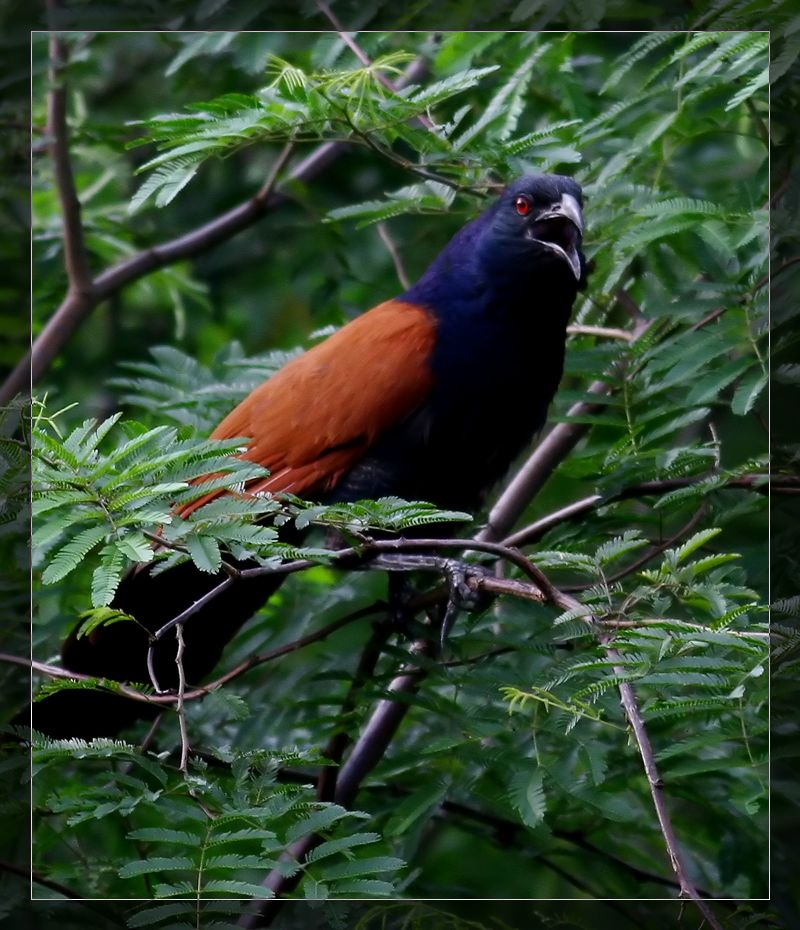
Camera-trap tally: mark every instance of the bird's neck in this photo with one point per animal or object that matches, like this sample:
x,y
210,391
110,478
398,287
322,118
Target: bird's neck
x,y
459,287
458,293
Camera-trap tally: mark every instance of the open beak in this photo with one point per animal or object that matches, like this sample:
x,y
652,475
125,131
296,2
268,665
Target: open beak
x,y
560,229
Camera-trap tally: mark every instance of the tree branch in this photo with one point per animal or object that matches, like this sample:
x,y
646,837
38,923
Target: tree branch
x,y
184,764
38,879
602,331
642,739
366,753
76,258
761,483
77,306
555,446
337,744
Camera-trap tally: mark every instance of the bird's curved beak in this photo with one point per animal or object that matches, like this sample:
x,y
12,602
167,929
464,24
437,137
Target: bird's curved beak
x,y
560,229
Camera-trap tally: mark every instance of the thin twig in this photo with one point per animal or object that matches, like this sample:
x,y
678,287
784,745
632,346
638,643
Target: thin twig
x,y
184,765
181,618
643,559
679,866
167,698
577,329
392,249
279,651
642,739
661,621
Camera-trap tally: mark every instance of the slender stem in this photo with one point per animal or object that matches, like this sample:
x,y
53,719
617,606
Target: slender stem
x,y
394,254
184,765
679,866
55,671
603,331
643,559
176,621
642,739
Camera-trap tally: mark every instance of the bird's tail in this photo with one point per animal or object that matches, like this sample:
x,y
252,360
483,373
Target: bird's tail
x,y
119,651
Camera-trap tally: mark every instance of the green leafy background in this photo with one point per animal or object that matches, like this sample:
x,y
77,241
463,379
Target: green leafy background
x,y
667,134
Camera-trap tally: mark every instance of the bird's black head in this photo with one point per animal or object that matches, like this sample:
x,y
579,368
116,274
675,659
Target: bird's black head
x,y
536,224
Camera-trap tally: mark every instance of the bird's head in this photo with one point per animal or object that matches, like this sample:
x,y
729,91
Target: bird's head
x,y
536,223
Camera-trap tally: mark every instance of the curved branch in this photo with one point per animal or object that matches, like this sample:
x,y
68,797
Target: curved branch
x,y
555,446
77,306
761,483
29,876
365,755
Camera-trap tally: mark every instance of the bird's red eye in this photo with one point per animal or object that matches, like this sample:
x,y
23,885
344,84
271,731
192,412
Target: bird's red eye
x,y
522,205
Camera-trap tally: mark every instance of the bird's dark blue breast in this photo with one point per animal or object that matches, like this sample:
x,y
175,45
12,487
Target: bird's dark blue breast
x,y
496,365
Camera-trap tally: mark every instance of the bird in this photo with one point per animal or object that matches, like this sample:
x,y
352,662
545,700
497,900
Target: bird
x,y
428,396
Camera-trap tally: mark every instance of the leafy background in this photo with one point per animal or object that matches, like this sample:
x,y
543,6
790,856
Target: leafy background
x,y
685,192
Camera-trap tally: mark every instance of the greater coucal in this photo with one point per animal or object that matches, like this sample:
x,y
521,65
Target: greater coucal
x,y
428,396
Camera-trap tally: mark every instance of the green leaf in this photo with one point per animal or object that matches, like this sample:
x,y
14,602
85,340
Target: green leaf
x,y
237,889
163,835
526,794
342,844
747,392
155,864
73,553
695,542
205,553
362,867
107,575
100,616
318,821
365,887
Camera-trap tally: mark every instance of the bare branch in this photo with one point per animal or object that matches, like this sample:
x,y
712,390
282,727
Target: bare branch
x,y
184,764
365,755
77,306
176,621
679,866
629,305
279,651
76,258
759,483
602,331
337,744
391,248
167,698
29,876
642,739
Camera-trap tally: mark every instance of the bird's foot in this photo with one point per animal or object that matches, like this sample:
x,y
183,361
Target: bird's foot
x,y
462,595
